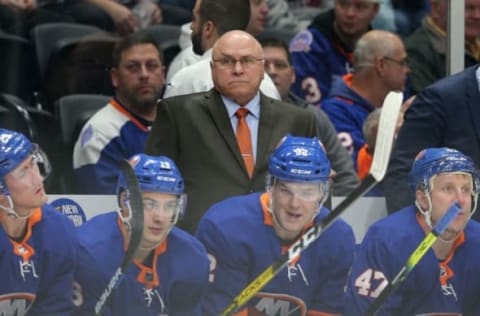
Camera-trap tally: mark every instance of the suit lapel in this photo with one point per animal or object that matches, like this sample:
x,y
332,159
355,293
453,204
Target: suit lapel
x,y
265,130
214,105
473,97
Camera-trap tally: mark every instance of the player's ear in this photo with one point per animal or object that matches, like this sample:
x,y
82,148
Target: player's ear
x,y
421,198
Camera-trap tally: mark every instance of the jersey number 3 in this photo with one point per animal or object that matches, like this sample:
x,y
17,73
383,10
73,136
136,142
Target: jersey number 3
x,y
364,283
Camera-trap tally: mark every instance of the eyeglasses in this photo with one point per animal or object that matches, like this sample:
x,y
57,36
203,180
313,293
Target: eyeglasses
x,y
277,64
402,62
169,207
230,62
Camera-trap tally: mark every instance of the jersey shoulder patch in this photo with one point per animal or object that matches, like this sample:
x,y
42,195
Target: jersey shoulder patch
x,y
301,42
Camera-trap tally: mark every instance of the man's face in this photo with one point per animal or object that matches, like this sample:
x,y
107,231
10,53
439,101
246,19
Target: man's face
x,y
396,68
293,206
197,29
472,19
160,210
139,78
352,17
25,184
258,16
447,188
279,69
237,67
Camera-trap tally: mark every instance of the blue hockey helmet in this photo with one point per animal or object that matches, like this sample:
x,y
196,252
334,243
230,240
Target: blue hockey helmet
x,y
433,161
155,174
300,159
15,148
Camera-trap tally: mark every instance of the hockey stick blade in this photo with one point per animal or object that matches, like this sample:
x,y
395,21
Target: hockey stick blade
x,y
415,257
135,201
385,135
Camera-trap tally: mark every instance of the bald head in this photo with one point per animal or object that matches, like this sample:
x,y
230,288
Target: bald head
x,y
237,40
237,66
374,44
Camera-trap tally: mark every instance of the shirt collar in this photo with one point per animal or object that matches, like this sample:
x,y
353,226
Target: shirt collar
x,y
253,106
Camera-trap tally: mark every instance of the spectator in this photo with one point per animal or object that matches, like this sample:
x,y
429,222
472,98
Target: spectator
x,y
445,281
125,17
20,17
296,188
278,66
229,13
199,130
325,48
427,46
280,17
380,67
204,36
369,132
170,270
120,129
38,245
442,115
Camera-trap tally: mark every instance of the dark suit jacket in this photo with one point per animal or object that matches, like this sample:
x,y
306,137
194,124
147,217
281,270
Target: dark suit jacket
x,y
445,114
195,131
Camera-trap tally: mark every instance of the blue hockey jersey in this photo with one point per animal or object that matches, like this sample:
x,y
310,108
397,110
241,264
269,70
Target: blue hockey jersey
x,y
173,285
240,239
347,110
112,134
433,287
318,55
37,271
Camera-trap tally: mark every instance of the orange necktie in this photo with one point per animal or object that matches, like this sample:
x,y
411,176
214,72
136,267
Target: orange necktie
x,y
244,140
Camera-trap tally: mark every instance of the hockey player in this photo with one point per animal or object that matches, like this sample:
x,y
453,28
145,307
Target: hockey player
x,y
37,244
446,281
170,270
245,234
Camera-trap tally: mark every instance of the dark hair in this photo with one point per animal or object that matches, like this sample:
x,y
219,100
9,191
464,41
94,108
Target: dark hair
x,y
227,15
134,39
274,42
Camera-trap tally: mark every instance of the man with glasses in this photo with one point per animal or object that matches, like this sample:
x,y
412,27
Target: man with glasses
x,y
119,130
38,246
380,67
206,133
278,66
212,19
169,274
246,234
325,49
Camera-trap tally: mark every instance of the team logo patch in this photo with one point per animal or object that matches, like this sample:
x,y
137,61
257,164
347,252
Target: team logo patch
x,y
301,42
86,135
16,303
70,209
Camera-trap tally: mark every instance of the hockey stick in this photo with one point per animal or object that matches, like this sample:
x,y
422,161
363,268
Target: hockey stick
x,y
383,148
415,257
135,205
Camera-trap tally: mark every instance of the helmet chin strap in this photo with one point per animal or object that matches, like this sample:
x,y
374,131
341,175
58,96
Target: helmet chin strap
x,y
11,211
